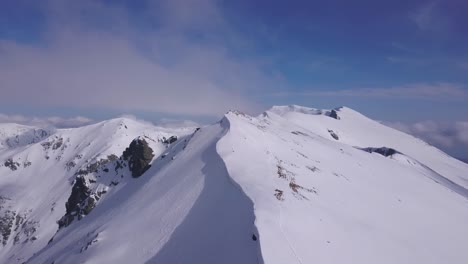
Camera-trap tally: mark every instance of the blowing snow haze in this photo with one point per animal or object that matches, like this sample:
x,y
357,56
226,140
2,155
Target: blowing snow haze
x,y
204,131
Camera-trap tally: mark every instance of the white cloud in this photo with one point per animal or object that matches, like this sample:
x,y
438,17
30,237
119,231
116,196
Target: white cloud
x,y
176,123
54,121
412,91
443,134
402,47
462,132
109,63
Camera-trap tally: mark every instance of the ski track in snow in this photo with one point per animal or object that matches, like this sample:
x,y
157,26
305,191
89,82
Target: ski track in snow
x,y
286,237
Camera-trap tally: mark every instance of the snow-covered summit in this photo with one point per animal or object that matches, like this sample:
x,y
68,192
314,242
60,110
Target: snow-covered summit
x,y
293,185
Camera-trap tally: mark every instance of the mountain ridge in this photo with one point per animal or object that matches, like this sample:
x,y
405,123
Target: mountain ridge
x,y
283,187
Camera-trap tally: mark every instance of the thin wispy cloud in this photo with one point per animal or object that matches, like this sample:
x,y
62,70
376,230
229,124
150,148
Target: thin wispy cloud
x,y
463,65
424,16
410,60
413,91
175,123
401,47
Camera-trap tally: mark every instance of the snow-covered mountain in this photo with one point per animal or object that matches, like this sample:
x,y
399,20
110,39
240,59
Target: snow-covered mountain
x,y
293,185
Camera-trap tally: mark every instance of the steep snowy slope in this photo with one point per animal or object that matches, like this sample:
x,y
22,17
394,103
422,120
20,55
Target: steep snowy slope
x,y
321,198
183,210
37,171
357,130
293,185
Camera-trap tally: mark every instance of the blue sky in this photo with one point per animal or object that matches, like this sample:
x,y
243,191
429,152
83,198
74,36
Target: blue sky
x,y
403,62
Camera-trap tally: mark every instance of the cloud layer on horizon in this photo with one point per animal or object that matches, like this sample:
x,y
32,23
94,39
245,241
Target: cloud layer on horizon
x,y
52,121
445,135
78,121
437,91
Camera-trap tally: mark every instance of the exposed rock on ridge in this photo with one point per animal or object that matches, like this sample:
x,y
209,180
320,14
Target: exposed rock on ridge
x,y
139,156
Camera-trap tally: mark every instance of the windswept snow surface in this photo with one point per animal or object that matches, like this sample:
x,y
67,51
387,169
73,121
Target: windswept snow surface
x,y
293,185
184,209
322,200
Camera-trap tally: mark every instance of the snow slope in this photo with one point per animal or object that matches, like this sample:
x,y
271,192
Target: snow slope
x,y
322,200
34,190
293,185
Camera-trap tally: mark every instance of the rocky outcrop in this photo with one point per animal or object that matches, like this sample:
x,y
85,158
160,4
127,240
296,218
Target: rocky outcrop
x,y
333,114
384,151
6,225
81,202
76,202
333,134
88,186
13,165
169,140
15,224
139,156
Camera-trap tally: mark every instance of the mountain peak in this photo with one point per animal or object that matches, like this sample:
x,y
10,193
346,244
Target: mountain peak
x,y
246,189
283,110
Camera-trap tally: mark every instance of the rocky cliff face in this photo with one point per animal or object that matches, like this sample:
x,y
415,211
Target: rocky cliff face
x,y
77,202
88,187
139,156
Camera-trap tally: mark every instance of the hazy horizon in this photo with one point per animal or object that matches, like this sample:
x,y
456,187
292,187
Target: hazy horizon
x,y
73,62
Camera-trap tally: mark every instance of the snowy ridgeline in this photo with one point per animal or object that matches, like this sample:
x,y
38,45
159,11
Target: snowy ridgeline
x,y
293,185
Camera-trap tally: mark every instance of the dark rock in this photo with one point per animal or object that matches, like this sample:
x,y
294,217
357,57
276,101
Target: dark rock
x,y
172,139
93,167
139,155
169,140
112,157
299,133
46,145
83,198
333,114
118,165
80,193
26,164
57,144
254,237
114,183
69,165
13,165
279,194
384,151
333,134
6,224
